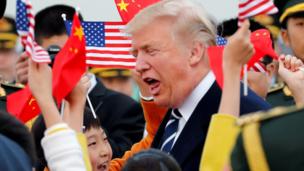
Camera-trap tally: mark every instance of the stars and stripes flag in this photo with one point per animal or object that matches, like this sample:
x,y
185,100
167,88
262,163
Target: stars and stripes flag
x,y
106,45
249,8
25,22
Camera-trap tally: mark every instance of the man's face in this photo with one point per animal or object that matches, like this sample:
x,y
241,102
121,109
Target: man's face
x,y
294,36
259,82
163,62
54,40
8,59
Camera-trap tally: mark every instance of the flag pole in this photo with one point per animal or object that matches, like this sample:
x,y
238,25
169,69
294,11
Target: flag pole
x,y
91,106
62,108
245,80
63,15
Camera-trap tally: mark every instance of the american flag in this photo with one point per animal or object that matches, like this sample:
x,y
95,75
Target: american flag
x,y
25,22
249,8
220,41
106,45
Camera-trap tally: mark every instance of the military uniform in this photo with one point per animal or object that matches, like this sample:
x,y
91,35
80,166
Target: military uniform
x,y
270,141
8,40
280,95
6,89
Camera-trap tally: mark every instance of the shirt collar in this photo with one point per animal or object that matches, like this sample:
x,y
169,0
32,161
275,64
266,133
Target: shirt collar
x,y
196,95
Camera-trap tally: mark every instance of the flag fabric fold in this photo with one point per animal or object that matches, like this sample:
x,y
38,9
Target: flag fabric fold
x,y
25,22
249,8
69,64
129,8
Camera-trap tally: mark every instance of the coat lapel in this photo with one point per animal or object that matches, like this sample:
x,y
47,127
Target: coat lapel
x,y
193,135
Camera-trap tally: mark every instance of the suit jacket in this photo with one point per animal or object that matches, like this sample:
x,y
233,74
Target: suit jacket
x,y
120,116
188,147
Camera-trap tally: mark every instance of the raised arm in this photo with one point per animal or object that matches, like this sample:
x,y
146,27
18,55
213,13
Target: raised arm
x,y
236,53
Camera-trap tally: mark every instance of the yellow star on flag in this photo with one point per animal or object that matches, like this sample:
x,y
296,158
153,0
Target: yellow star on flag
x,y
123,6
78,32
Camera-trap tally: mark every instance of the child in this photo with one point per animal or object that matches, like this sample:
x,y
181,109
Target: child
x,y
99,149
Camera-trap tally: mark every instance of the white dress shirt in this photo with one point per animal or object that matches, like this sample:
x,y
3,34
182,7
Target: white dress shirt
x,y
187,108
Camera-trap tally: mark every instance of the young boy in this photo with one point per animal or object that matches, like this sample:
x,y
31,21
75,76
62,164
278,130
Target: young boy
x,y
99,149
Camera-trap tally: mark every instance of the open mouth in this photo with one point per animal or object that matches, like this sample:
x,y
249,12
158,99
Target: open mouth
x,y
154,85
103,166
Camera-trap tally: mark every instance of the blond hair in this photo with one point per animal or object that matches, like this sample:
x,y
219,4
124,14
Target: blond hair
x,y
190,18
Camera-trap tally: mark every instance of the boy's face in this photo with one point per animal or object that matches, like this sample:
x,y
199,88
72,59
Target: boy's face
x,y
293,36
100,151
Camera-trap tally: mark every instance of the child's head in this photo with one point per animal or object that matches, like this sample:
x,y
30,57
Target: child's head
x,y
151,160
99,148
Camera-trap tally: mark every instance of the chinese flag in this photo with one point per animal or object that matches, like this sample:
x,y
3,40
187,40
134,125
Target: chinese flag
x,y
129,8
69,63
262,44
22,105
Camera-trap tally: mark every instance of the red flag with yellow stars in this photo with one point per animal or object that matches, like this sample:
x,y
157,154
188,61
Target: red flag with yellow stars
x,y
129,8
22,105
69,63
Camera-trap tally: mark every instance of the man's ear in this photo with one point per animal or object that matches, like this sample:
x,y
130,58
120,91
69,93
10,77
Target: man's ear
x,y
285,37
197,52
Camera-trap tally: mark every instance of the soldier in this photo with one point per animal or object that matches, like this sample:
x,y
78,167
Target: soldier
x,y
291,18
8,58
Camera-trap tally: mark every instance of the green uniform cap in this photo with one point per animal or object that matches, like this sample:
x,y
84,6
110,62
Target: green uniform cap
x,y
289,7
8,34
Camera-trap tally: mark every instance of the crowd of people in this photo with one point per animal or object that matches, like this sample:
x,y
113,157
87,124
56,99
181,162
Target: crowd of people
x,y
169,113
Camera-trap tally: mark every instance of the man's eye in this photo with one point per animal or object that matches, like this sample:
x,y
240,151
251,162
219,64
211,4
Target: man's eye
x,y
152,52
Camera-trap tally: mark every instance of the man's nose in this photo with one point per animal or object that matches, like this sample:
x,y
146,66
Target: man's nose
x,y
141,64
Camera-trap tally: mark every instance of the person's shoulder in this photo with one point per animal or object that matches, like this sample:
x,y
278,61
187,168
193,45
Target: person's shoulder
x,y
276,113
8,88
265,136
280,95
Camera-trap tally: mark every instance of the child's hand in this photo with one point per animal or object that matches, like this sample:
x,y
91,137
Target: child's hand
x,y
40,81
239,49
292,72
80,90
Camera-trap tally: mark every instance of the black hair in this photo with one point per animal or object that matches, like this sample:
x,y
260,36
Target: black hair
x,y
89,121
37,131
48,22
151,160
13,129
229,27
294,15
